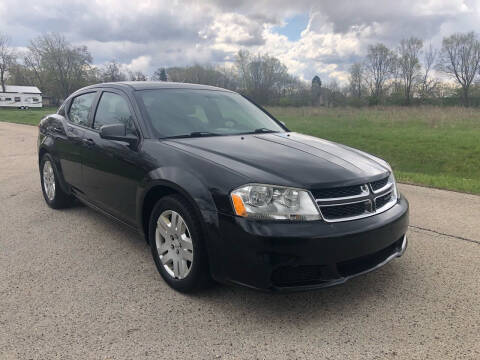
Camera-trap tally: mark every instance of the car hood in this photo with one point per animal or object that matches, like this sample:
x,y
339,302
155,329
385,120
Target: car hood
x,y
287,159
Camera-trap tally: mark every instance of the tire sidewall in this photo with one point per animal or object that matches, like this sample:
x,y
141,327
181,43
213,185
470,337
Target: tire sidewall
x,y
61,199
197,273
46,158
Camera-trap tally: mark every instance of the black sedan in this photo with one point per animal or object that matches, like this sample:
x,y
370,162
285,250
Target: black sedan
x,y
220,189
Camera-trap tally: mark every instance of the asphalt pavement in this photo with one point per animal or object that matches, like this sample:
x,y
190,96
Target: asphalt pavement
x,y
77,285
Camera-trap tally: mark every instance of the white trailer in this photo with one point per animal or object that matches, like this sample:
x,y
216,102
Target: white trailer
x,y
22,97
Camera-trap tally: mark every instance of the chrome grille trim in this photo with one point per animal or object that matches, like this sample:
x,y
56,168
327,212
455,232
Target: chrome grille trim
x,y
387,205
386,187
368,195
365,191
345,203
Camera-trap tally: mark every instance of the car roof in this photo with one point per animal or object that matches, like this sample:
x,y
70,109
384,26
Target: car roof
x,y
152,85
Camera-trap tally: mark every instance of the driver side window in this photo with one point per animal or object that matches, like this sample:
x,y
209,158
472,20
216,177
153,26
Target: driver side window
x,y
113,109
80,107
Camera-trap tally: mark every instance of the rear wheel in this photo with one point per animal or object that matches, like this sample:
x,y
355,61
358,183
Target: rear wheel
x,y
54,195
177,245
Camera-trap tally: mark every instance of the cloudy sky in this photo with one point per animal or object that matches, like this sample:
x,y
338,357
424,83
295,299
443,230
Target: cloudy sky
x,y
311,37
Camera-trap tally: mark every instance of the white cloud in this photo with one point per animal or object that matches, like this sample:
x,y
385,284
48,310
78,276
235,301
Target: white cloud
x,y
141,63
231,29
146,34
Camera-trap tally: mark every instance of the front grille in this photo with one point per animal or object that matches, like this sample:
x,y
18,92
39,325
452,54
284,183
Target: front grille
x,y
356,201
337,192
377,185
383,200
299,275
304,275
346,211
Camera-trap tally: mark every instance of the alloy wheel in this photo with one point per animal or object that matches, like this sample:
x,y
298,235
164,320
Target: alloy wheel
x,y
49,180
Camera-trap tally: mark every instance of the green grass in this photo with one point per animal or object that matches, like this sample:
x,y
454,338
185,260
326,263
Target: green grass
x,y
432,146
438,147
28,117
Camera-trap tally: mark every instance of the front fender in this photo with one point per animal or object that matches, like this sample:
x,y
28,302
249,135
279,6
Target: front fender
x,y
190,187
183,182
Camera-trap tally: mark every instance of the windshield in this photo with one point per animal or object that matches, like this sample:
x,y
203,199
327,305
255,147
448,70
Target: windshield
x,y
188,113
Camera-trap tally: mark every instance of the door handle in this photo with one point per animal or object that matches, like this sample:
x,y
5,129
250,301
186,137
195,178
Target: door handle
x,y
88,142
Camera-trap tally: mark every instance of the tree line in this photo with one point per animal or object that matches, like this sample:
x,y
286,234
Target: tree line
x,y
415,73
411,73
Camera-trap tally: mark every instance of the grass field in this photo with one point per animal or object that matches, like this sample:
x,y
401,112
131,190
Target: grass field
x,y
431,146
29,117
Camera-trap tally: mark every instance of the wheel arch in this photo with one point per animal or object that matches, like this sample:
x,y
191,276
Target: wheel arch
x,y
42,151
47,148
154,193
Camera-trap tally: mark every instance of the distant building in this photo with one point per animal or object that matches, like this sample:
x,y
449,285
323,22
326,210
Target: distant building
x,y
317,93
21,97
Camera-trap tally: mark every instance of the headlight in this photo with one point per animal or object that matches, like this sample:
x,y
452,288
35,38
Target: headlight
x,y
260,201
391,180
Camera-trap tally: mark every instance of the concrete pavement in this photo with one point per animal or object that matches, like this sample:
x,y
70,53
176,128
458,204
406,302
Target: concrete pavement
x,y
76,285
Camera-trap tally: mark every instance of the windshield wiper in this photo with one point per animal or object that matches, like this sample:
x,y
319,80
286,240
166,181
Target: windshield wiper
x,y
264,131
192,135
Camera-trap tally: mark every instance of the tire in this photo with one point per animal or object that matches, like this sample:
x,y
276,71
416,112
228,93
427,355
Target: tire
x,y
55,197
170,247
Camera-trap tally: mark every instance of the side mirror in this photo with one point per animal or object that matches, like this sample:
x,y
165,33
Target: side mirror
x,y
117,132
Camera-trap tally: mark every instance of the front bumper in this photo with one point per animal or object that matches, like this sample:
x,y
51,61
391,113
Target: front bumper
x,y
293,256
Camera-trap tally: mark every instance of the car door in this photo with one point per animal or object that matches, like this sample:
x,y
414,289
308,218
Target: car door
x,y
69,140
112,169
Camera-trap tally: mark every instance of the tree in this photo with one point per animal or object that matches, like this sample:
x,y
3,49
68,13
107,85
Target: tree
x,y
202,74
379,65
7,58
333,94
409,65
460,58
263,76
427,83
160,74
356,80
137,76
18,74
111,72
228,77
58,67
241,63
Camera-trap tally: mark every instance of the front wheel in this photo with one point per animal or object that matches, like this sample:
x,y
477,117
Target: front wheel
x,y
177,245
54,195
